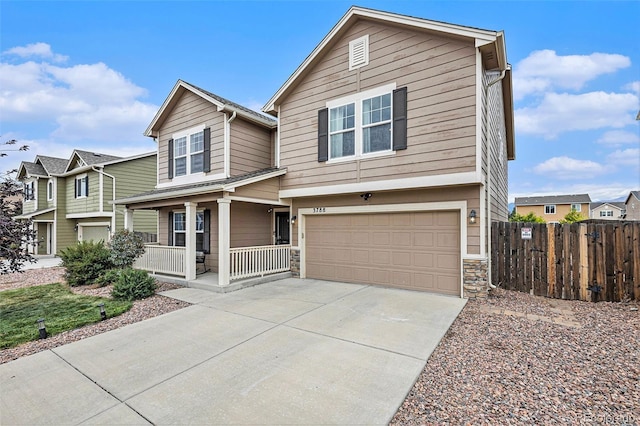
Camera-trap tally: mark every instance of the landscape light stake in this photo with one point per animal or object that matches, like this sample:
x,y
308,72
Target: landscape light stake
x,y
103,313
42,329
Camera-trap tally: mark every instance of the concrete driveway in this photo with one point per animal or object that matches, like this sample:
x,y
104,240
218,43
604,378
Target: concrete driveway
x,y
286,352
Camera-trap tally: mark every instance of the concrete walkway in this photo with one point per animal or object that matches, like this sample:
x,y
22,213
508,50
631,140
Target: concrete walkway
x,y
286,352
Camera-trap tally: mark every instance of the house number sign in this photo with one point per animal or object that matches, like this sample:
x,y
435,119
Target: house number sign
x,y
319,209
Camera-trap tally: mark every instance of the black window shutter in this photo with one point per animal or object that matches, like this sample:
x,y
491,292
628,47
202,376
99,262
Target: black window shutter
x,y
323,135
400,119
170,159
206,238
170,242
207,150
86,185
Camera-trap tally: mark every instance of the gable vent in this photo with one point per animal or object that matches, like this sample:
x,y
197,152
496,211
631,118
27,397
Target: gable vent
x,y
359,52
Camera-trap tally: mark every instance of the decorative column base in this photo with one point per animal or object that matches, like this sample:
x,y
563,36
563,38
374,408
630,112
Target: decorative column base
x,y
295,263
475,282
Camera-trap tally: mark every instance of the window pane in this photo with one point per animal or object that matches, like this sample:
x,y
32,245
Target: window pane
x,y
181,166
180,147
179,222
197,163
179,239
197,142
199,221
376,109
199,241
376,138
342,144
341,118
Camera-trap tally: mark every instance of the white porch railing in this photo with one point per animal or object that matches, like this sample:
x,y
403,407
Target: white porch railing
x,y
258,261
162,259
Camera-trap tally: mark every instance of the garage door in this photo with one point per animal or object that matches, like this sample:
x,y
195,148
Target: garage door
x,y
412,250
95,233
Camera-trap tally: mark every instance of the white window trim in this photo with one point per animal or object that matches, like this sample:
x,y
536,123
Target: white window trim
x,y
34,189
549,205
75,185
188,177
579,207
357,99
606,213
185,231
51,195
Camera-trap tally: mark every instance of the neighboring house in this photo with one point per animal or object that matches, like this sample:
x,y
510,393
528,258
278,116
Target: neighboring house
x,y
71,199
607,210
632,206
553,208
386,165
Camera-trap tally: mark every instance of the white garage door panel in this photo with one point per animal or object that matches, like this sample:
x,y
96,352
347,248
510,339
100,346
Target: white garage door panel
x,y
95,233
413,250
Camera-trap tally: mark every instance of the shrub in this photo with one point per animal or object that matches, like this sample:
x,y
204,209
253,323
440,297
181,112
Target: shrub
x,y
126,247
109,277
133,284
85,262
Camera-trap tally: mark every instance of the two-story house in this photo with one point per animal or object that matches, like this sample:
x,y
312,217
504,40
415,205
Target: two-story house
x,y
553,208
386,164
71,200
632,206
607,210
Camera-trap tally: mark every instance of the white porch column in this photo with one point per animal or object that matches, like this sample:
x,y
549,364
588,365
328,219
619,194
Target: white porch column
x,y
128,220
224,240
190,240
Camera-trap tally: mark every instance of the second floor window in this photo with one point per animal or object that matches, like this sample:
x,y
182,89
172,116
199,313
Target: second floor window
x,y
82,186
606,213
188,153
50,190
30,191
576,207
550,209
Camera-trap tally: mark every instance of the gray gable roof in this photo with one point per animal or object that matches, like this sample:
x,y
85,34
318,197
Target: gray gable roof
x,y
553,199
91,158
34,169
617,204
53,165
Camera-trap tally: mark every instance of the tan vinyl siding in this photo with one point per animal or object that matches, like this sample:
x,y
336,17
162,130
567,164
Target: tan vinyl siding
x,y
250,225
469,193
250,147
439,74
191,111
264,190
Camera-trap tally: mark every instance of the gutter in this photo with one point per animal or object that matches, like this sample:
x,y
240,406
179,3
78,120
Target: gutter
x,y
489,145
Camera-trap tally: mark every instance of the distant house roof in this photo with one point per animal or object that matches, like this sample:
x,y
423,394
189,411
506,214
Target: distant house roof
x,y
222,104
632,193
553,199
53,165
616,204
91,158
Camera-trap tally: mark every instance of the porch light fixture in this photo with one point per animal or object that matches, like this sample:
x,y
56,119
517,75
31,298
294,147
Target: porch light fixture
x,y
270,210
366,196
42,329
75,228
293,220
472,217
103,313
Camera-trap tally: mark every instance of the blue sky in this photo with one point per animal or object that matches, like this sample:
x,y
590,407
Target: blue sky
x,y
92,74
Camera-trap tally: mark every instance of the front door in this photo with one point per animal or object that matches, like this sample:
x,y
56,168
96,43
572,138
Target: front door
x,y
282,227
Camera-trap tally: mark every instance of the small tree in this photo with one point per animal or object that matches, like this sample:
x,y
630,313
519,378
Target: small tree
x,y
15,235
572,217
528,218
126,247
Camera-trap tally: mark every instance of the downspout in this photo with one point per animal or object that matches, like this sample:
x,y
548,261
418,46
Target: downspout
x,y
488,159
113,197
227,143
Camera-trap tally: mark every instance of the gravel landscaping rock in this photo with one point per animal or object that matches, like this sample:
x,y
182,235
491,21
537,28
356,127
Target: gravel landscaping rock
x,y
521,359
141,310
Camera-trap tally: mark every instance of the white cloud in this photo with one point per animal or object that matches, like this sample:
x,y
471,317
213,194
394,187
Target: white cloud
x,y
625,157
634,86
85,101
569,168
42,50
562,112
619,137
544,70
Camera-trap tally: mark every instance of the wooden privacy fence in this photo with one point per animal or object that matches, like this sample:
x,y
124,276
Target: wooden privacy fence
x,y
581,261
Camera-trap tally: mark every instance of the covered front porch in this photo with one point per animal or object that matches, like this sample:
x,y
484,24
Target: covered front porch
x,y
217,235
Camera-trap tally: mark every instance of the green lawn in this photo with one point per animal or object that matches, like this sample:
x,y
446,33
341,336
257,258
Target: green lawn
x,y
62,310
